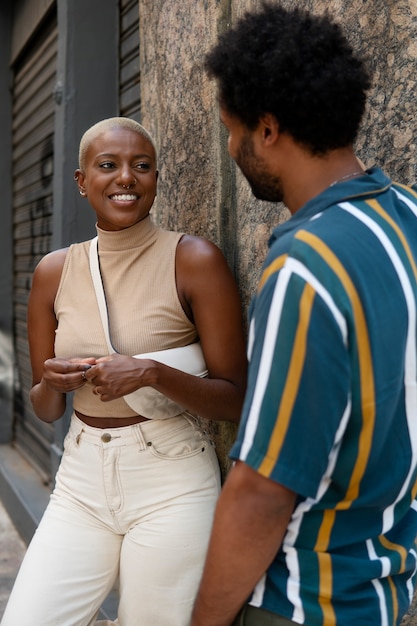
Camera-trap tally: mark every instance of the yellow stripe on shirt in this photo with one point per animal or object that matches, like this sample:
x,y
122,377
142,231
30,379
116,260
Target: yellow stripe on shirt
x,y
365,365
326,589
374,204
292,384
274,267
395,547
325,567
406,188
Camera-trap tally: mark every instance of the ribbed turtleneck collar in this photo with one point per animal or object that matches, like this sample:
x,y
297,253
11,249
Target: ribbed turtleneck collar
x,y
138,235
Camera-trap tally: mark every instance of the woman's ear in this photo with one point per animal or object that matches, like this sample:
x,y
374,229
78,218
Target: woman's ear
x,y
79,178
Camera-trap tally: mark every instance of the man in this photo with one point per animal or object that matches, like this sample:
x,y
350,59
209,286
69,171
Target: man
x,y
317,520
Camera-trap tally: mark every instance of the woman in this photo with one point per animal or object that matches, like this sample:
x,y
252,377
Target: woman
x,y
136,488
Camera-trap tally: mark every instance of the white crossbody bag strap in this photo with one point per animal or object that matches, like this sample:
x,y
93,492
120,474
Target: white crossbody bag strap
x,y
98,286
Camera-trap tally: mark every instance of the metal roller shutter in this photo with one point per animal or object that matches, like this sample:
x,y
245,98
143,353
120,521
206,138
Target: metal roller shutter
x,y
129,88
33,128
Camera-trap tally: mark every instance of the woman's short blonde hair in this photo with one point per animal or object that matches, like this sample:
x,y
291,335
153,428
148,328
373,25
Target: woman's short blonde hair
x,y
108,124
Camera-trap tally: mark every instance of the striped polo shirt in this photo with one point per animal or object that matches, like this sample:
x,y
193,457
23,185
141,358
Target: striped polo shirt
x,y
331,406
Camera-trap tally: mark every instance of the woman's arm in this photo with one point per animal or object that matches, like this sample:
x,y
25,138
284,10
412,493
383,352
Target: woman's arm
x,y
210,298
51,378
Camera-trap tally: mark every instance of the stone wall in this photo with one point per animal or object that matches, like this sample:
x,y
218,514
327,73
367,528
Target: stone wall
x,y
200,190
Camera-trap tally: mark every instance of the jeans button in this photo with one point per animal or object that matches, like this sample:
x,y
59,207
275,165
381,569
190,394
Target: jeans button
x,y
106,437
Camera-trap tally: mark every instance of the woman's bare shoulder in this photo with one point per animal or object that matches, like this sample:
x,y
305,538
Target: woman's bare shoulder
x,y
192,249
50,266
53,260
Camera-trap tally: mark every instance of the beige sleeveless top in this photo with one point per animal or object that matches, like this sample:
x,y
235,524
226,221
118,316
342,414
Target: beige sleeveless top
x,y
145,314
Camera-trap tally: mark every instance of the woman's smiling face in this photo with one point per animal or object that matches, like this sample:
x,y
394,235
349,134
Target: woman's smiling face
x,y
119,178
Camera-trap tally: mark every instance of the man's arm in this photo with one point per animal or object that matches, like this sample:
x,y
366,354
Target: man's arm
x,y
251,519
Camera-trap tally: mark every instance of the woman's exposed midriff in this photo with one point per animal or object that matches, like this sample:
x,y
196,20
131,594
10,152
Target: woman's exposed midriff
x,y
110,422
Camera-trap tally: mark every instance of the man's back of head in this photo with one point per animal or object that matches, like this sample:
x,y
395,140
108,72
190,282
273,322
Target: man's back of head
x,y
298,67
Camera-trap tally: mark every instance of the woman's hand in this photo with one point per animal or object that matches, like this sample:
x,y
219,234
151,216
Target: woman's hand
x,y
65,375
117,375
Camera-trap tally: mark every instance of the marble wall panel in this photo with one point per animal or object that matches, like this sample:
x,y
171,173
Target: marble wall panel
x,y
196,190
200,189
178,108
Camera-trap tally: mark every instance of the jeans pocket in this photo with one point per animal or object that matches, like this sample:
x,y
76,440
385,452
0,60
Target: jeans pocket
x,y
182,443
69,443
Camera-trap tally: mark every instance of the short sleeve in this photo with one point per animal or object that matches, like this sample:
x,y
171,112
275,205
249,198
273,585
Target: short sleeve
x,y
298,389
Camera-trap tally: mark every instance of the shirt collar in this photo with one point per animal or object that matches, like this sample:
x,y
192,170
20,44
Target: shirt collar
x,y
372,183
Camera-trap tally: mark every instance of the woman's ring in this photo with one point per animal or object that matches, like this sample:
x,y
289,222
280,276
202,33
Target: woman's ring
x,y
84,376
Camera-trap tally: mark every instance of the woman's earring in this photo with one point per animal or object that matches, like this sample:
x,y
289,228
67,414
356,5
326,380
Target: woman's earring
x,y
82,193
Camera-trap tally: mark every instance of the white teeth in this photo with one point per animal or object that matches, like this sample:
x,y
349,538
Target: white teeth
x,y
123,196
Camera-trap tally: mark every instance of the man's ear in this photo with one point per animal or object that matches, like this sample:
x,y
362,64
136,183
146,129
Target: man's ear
x,y
269,127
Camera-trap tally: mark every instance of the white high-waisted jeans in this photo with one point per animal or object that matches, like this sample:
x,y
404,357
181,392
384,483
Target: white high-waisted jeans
x,y
137,502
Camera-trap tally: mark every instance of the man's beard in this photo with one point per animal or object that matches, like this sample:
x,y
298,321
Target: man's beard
x,y
264,186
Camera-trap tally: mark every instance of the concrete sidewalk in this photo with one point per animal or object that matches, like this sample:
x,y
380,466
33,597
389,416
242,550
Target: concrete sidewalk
x,y
12,550
23,499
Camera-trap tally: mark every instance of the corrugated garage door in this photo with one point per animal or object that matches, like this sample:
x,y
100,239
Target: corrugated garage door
x,y
33,127
129,88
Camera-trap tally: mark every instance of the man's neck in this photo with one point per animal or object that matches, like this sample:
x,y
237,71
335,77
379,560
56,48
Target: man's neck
x,y
307,176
